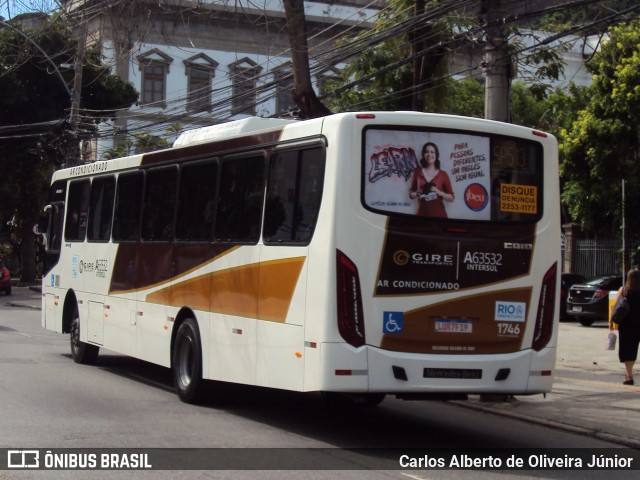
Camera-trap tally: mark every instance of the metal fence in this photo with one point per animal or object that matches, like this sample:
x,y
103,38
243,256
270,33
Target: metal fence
x,y
593,257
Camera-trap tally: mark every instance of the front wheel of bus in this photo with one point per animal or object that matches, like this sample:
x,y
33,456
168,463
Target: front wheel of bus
x,y
187,362
81,352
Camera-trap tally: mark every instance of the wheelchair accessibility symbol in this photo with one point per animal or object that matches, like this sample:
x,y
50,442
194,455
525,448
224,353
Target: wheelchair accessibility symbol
x,y
392,322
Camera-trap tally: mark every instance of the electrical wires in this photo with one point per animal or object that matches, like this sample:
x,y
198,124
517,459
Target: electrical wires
x,y
330,47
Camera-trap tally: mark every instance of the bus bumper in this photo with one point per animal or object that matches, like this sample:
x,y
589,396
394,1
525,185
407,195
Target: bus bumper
x,y
371,369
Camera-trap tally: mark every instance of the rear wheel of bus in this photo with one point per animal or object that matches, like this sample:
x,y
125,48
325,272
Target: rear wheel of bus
x,y
187,362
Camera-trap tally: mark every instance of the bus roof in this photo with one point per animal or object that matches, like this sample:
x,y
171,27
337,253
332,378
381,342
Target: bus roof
x,y
227,130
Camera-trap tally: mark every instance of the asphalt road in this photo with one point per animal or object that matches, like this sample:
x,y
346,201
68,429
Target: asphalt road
x,y
47,401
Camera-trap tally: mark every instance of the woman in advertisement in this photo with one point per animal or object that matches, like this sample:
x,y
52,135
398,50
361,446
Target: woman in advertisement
x,y
430,185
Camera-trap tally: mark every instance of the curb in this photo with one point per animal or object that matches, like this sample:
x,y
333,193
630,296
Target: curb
x,y
23,305
567,427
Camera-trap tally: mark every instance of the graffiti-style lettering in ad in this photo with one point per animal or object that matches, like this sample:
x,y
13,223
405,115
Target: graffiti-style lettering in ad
x,y
431,174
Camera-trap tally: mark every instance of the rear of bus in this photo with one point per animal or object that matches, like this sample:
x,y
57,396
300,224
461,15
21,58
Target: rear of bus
x,y
455,298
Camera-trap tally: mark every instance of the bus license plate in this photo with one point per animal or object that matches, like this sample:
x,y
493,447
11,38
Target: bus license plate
x,y
456,373
576,309
454,325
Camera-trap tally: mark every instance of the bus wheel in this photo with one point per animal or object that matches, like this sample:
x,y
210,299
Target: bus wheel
x,y
81,352
586,322
187,362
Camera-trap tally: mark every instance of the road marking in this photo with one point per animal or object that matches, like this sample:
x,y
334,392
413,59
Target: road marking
x,y
415,477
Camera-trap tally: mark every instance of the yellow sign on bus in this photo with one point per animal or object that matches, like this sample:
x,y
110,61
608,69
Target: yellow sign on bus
x,y
519,198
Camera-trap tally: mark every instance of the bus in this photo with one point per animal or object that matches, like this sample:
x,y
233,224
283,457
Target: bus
x,y
358,254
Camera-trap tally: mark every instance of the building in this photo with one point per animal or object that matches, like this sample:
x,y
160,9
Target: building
x,y
203,62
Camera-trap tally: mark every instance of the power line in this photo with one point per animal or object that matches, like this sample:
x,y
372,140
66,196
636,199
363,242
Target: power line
x,y
331,57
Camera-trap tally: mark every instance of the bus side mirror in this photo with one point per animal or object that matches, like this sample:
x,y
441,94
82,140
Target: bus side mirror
x,y
42,227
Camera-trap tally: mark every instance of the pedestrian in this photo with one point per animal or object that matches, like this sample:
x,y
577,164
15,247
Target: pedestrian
x,y
629,329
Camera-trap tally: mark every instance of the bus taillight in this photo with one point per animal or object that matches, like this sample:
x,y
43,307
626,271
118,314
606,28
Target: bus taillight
x,y
350,312
546,305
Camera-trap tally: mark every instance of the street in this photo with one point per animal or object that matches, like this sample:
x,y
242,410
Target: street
x,y
48,401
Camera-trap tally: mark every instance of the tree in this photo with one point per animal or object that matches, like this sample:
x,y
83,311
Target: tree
x,y
35,133
601,148
303,94
380,77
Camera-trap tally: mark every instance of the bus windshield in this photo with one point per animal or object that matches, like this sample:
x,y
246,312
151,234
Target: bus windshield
x,y
444,174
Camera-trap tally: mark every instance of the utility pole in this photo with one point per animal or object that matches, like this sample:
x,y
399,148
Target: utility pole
x,y
497,62
417,46
76,94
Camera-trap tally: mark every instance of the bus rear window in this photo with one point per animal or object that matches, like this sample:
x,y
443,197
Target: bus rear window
x,y
452,175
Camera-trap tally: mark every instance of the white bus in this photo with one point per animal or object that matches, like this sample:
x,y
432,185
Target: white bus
x,y
326,255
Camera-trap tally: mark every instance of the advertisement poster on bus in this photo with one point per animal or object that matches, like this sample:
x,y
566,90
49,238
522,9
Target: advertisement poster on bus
x,y
435,174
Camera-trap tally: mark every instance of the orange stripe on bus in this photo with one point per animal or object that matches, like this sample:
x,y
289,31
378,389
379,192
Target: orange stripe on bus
x,y
261,290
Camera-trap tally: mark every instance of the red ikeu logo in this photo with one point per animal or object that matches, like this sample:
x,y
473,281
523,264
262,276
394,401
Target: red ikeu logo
x,y
476,197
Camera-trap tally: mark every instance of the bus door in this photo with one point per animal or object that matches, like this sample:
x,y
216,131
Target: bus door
x,y
293,200
97,263
53,243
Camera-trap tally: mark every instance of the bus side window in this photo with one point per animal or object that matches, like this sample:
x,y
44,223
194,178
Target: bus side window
x,y
196,202
293,196
126,222
101,208
240,200
77,211
159,201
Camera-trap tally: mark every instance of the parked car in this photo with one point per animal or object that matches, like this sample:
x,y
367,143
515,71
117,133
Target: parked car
x,y
567,280
5,279
589,301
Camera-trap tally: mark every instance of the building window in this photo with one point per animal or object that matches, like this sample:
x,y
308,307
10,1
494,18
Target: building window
x,y
284,89
153,84
154,66
199,91
244,75
200,71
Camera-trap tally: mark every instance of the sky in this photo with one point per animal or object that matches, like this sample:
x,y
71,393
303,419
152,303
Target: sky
x,y
11,8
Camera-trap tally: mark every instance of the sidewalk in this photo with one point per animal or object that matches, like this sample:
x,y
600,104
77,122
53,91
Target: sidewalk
x,y
24,297
587,398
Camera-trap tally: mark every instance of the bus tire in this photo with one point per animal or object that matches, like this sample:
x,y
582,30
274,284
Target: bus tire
x,y
81,352
586,322
187,362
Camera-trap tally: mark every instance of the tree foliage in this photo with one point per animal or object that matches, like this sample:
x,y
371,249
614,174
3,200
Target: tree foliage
x,y
600,148
380,77
35,132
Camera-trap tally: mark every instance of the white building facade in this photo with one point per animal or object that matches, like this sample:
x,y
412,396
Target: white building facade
x,y
203,62
197,63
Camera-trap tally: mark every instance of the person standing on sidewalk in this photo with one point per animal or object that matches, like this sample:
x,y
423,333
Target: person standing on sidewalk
x,y
629,330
